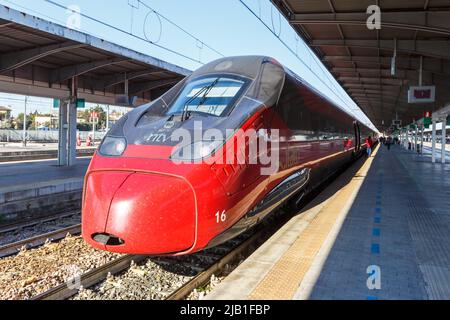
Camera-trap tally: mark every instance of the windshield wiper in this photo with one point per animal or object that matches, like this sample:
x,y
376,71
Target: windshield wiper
x,y
206,89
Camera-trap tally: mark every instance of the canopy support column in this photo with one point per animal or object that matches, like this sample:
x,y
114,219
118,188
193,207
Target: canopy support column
x,y
62,144
443,139
72,122
433,142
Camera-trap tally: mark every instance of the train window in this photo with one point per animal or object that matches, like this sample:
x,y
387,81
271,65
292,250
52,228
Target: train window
x,y
211,95
291,107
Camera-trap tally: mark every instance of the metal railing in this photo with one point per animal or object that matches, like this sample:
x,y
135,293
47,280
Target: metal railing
x,y
41,135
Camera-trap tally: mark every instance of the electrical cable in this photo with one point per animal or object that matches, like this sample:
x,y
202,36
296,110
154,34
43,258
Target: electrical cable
x,y
179,27
127,33
306,65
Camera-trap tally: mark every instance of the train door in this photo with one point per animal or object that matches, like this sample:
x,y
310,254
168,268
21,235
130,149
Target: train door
x,y
360,139
357,136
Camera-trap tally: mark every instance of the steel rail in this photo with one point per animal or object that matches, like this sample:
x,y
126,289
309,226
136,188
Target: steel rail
x,y
13,248
88,279
10,227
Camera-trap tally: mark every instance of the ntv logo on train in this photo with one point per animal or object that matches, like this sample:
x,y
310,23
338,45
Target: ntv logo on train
x,y
255,147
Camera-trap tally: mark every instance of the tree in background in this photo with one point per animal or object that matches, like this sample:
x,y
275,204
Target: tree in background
x,y
18,121
86,116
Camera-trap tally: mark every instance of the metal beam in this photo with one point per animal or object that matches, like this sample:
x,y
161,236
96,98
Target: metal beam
x,y
47,27
68,72
439,49
150,85
371,86
427,21
110,81
432,65
375,97
406,77
401,73
380,93
13,60
4,25
374,80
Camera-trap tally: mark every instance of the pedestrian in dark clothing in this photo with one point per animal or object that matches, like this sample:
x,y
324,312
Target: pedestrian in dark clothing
x,y
389,142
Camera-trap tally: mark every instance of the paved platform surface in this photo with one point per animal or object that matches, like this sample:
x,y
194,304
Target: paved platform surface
x,y
384,235
15,175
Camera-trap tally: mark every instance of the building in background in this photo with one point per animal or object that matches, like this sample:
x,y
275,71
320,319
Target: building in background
x,y
5,116
44,122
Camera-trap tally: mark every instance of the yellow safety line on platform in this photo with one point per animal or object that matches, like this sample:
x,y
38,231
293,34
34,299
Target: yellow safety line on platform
x,y
285,277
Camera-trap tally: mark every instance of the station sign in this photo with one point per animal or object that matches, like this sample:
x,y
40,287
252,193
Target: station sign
x,y
426,121
56,103
422,94
81,103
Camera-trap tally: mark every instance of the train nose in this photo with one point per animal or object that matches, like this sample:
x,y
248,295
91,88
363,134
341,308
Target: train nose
x,y
139,213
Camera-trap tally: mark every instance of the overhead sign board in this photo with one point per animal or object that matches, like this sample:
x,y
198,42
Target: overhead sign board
x,y
422,94
81,103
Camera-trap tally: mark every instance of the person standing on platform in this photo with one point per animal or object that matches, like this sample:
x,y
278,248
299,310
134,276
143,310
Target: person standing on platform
x,y
389,142
369,143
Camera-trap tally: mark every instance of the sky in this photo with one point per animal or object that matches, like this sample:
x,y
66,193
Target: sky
x,y
198,30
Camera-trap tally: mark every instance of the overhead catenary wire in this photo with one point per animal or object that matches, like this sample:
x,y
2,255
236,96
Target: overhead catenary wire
x,y
129,33
180,28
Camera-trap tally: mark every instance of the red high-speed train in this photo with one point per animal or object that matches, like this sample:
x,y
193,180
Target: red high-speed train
x,y
147,193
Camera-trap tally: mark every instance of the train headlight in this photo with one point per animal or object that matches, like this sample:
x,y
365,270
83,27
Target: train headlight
x,y
113,146
196,151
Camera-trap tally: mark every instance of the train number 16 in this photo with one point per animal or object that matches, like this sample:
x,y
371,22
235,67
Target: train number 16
x,y
221,217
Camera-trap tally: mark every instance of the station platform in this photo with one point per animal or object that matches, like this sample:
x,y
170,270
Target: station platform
x,y
380,231
16,152
35,188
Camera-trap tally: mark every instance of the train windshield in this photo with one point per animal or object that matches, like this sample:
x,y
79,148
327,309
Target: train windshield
x,y
212,96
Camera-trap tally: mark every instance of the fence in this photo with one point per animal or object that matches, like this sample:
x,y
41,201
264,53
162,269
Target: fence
x,y
41,136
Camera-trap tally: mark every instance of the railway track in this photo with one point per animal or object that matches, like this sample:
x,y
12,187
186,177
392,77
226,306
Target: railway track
x,y
15,247
203,265
38,237
17,226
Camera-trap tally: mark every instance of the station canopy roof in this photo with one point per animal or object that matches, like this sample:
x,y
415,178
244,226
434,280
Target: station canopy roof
x,y
39,57
360,58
